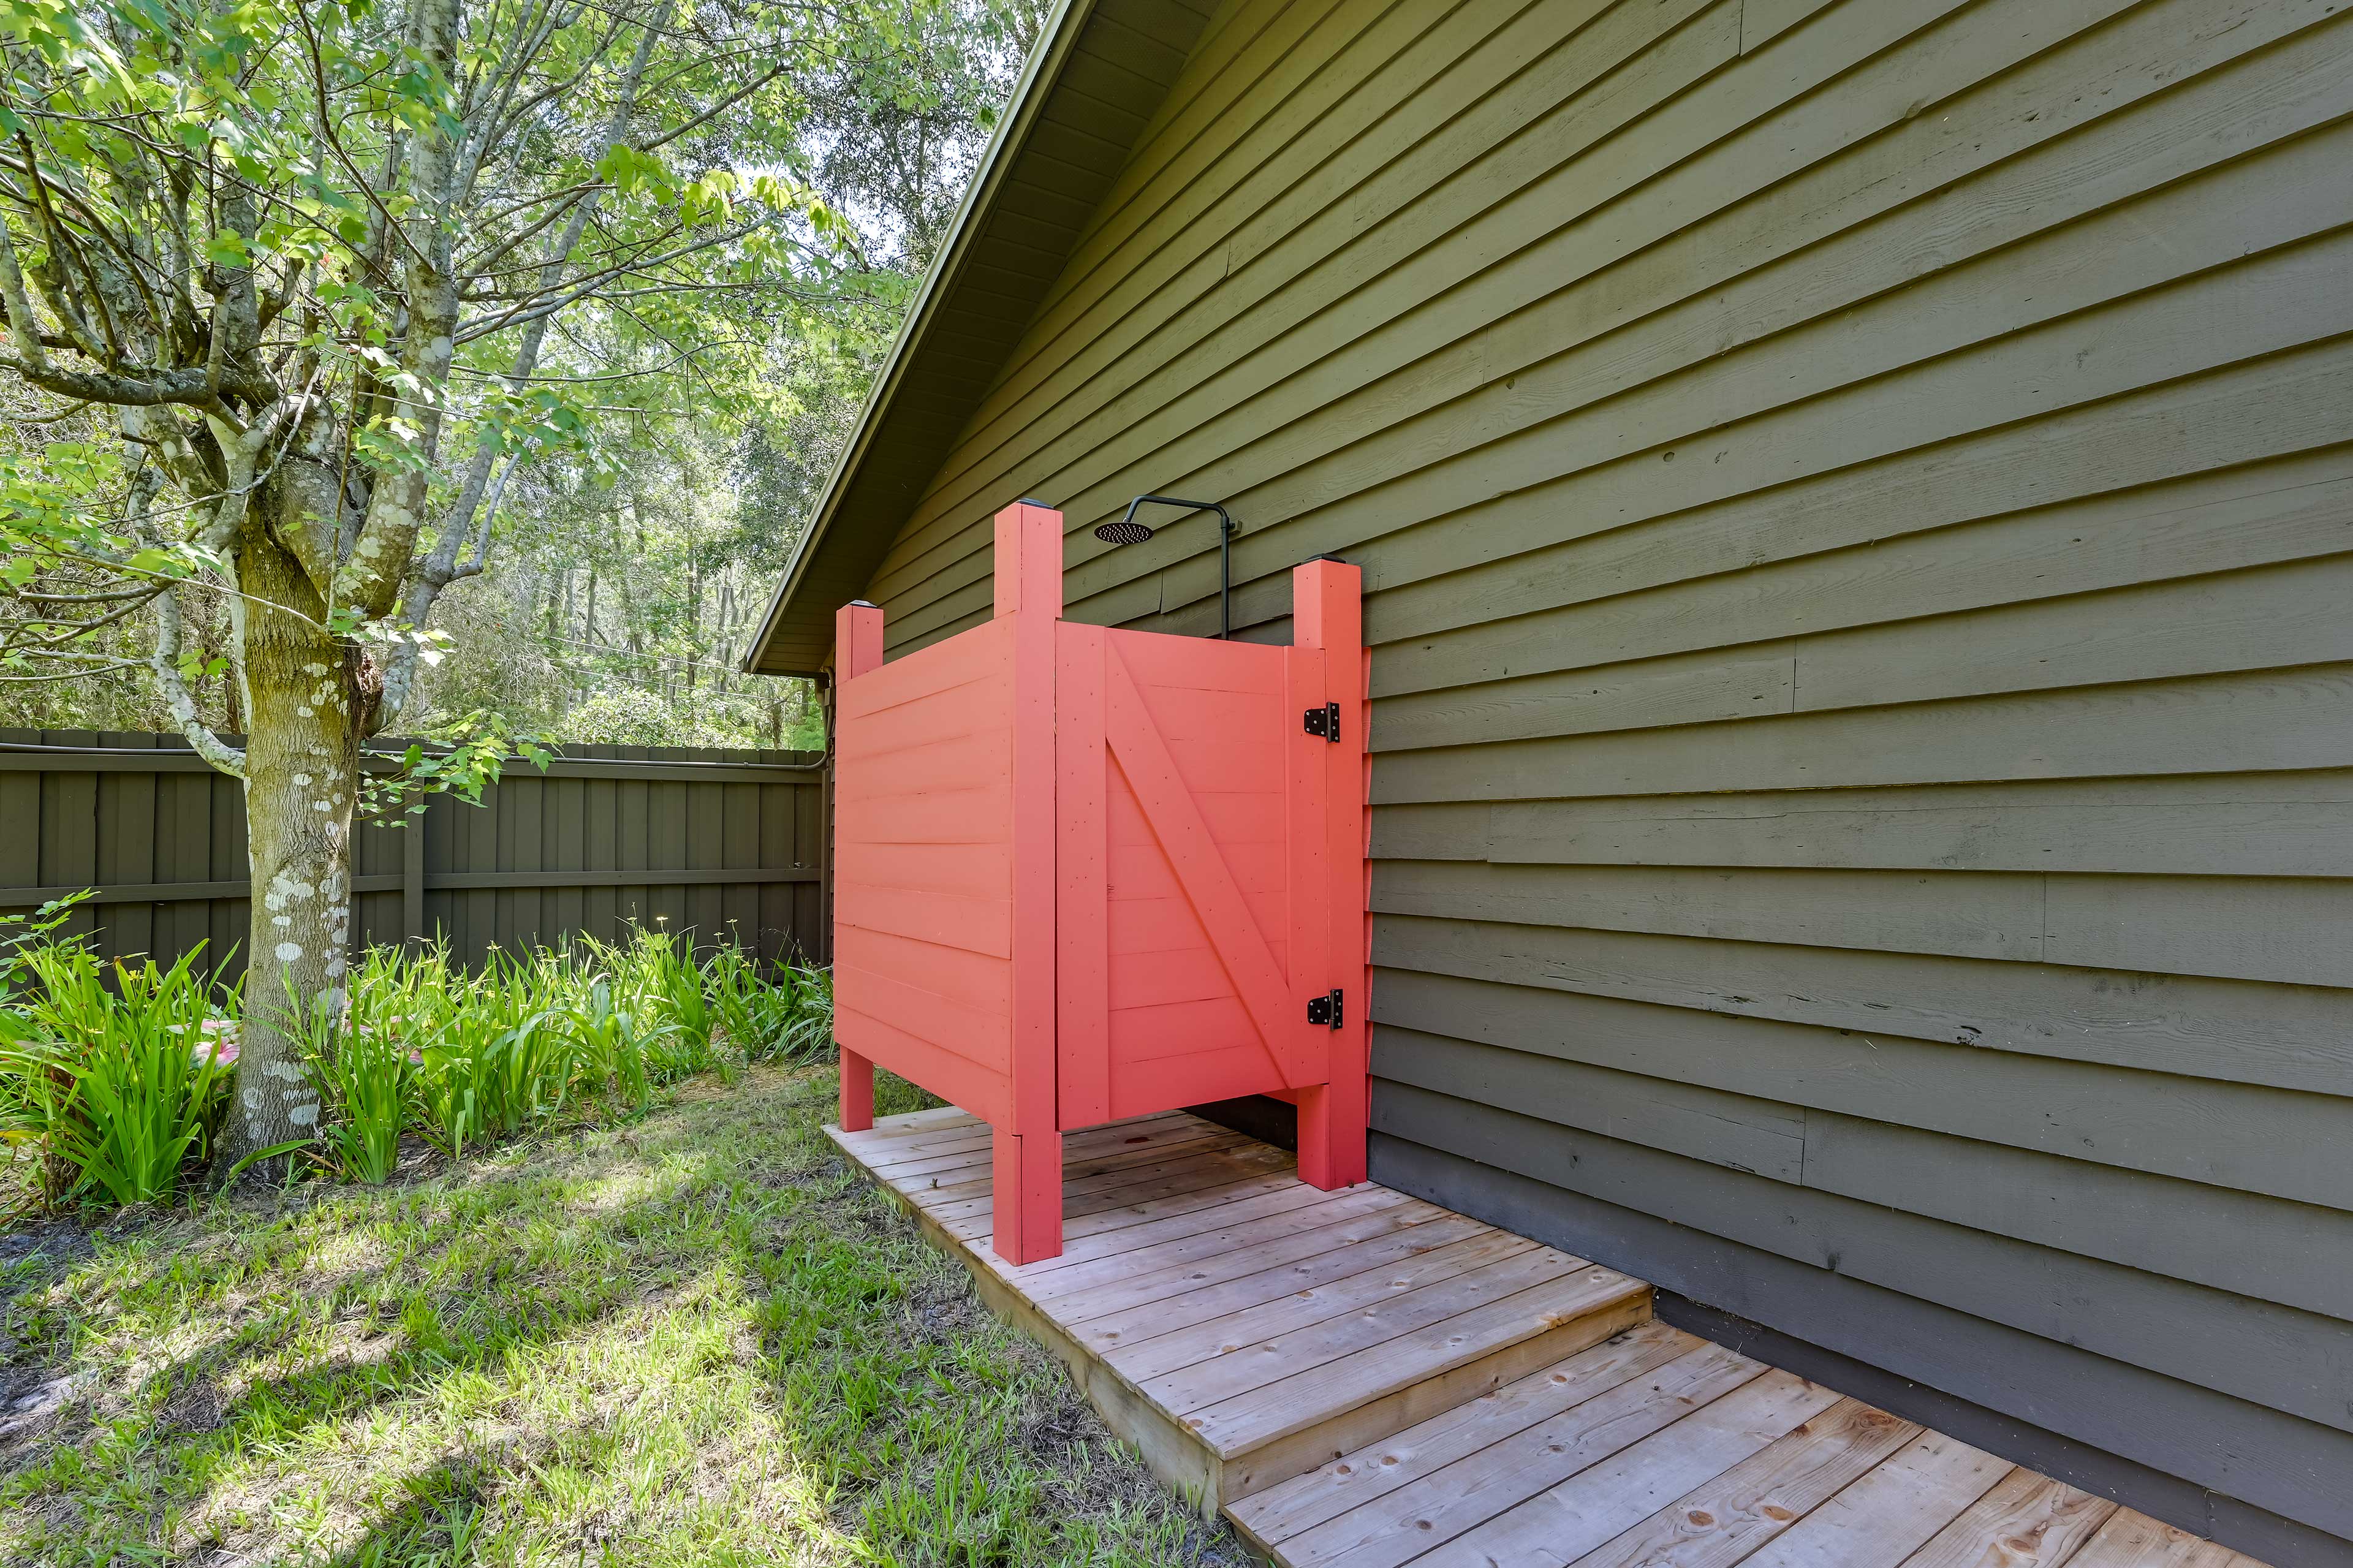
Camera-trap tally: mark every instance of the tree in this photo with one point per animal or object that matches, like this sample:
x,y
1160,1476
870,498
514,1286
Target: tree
x,y
316,278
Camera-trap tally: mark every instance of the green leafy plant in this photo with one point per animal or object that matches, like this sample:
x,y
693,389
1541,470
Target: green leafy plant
x,y
687,1005
21,934
524,1053
116,1085
363,1075
661,990
409,1003
808,1030
114,1076
740,1000
785,1015
447,1100
613,1043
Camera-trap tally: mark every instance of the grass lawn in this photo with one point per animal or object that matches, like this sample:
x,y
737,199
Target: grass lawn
x,y
696,1338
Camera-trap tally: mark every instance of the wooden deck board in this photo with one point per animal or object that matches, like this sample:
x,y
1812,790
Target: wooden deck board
x,y
1245,1365
1356,1483
1363,1380
1893,1512
2039,1521
1266,1272
1199,1326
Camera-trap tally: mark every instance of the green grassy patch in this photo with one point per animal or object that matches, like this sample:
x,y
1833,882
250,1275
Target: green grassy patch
x,y
699,1338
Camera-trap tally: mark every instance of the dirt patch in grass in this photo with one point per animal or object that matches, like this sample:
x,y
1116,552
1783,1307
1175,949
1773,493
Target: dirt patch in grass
x,y
699,1338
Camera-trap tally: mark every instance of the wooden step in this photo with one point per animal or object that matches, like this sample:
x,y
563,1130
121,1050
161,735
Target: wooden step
x,y
1362,1380
1241,1327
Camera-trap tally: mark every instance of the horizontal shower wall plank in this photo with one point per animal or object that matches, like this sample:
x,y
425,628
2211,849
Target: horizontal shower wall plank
x,y
1687,691
1973,916
2266,720
1739,1132
2294,931
2231,1241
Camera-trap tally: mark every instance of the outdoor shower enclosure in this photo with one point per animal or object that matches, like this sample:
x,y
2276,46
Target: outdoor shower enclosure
x,y
1084,874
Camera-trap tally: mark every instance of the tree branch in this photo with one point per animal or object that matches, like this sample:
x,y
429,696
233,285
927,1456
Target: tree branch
x,y
178,700
370,583
438,570
33,357
163,662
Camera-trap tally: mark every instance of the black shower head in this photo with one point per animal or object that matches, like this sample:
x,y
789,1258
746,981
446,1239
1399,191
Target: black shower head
x,y
1121,530
1127,531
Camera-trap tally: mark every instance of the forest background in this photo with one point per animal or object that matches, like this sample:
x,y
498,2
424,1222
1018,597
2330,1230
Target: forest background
x,y
630,565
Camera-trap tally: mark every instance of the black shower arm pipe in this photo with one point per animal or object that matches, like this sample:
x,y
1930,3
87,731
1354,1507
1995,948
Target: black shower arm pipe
x,y
1225,533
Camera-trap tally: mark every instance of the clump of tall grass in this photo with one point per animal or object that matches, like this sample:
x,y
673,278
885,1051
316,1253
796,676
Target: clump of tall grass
x,y
784,1016
115,1076
364,1080
653,996
111,1074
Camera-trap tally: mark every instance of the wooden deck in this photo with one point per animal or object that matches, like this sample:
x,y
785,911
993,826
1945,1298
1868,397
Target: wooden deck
x,y
1362,1380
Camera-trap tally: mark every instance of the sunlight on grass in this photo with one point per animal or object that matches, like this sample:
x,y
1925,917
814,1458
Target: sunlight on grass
x,y
697,1338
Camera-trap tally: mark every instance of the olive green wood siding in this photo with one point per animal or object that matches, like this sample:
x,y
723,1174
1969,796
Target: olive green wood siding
x,y
1857,507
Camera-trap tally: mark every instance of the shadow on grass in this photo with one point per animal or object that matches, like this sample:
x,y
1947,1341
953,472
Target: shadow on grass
x,y
701,1338
441,1521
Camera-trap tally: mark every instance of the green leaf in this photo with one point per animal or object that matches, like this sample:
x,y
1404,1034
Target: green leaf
x,y
271,1152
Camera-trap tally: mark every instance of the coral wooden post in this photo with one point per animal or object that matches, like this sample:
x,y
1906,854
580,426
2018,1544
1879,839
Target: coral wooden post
x,y
857,648
1327,613
1027,1165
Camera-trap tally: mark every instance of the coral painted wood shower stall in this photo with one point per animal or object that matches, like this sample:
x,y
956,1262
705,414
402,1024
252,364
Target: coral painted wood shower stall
x,y
1084,874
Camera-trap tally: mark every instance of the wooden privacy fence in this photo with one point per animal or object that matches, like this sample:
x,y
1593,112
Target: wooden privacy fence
x,y
727,844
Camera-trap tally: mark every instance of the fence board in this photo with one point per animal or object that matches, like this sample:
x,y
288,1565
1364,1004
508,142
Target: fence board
x,y
720,843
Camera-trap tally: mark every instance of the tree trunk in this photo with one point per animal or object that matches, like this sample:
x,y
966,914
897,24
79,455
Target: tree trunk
x,y
301,781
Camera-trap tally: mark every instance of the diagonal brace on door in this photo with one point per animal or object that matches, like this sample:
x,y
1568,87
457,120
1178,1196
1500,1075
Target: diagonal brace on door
x,y
1201,871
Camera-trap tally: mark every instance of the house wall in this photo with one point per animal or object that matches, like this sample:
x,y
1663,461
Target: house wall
x,y
1857,503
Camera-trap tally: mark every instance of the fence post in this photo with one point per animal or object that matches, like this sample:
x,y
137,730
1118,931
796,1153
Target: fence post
x,y
412,883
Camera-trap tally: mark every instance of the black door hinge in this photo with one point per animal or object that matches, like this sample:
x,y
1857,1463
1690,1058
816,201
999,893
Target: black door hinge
x,y
1324,722
1324,1010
